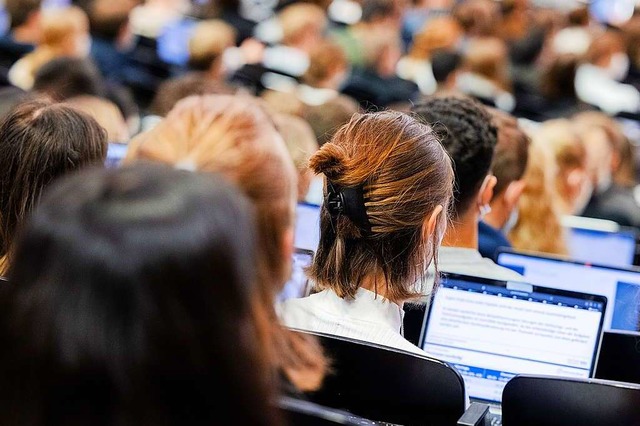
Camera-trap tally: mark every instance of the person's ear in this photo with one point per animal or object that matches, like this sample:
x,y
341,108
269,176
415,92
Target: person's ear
x,y
486,191
513,192
430,222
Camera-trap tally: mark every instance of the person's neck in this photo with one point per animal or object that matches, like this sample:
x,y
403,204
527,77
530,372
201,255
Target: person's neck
x,y
375,283
497,217
463,232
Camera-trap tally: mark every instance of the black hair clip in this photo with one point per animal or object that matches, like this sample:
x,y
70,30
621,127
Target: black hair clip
x,y
349,202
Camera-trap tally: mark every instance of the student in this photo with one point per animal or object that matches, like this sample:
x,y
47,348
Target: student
x,y
65,32
129,303
387,192
470,138
234,136
508,166
41,141
207,45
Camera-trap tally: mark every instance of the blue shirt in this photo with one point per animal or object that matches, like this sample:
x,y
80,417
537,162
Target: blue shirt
x,y
489,240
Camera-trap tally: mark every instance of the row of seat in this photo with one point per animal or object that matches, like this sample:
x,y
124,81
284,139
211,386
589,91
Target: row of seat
x,y
380,385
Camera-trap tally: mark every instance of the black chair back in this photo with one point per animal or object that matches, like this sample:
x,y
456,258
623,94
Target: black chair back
x,y
299,412
554,401
619,357
390,385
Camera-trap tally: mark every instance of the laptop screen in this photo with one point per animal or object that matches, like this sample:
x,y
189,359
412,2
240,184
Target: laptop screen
x,y
298,284
601,247
491,330
620,286
307,233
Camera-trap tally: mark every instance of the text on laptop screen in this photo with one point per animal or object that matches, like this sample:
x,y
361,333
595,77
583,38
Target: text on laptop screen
x,y
621,287
307,233
601,247
491,332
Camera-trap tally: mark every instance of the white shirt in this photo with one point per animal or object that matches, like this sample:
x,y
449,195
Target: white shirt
x,y
468,261
595,87
368,317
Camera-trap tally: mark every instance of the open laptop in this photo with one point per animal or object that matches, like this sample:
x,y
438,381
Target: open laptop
x,y
621,286
492,330
599,241
298,285
619,357
307,232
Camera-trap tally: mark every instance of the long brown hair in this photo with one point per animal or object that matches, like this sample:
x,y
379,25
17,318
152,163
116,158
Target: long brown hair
x,y
40,142
404,174
234,136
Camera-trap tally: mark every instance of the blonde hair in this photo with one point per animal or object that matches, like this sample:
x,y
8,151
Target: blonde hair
x,y
208,42
298,18
234,136
438,33
569,154
403,174
106,113
538,227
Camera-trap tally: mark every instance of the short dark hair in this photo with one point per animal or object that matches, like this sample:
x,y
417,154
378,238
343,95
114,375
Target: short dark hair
x,y
376,9
20,10
41,141
511,153
171,91
130,303
65,77
443,63
469,136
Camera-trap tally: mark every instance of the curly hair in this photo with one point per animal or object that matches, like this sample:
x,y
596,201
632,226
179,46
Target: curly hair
x,y
466,131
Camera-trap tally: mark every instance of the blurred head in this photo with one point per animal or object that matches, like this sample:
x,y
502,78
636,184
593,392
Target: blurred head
x,y
508,165
469,136
538,227
488,57
52,139
567,150
328,66
398,183
383,50
106,113
302,144
382,13
234,136
302,25
110,19
445,64
207,45
64,78
609,52
328,117
130,294
171,91
66,31
557,80
478,18
441,33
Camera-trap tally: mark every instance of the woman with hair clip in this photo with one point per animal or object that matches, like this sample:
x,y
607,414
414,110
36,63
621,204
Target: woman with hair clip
x,y
234,136
129,304
388,186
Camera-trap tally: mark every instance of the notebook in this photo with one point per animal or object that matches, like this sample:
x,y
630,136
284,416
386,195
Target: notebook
x,y
591,242
492,330
298,285
621,286
307,232
619,357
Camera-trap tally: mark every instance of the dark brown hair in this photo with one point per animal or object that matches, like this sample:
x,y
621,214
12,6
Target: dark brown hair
x,y
40,142
404,174
20,10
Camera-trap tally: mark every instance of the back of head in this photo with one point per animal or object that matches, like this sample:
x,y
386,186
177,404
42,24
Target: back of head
x,y
511,153
557,81
488,57
395,174
468,135
378,10
208,42
325,61
171,91
234,136
444,63
108,17
106,113
143,277
477,17
19,11
41,141
603,46
328,117
297,18
64,78
59,23
441,33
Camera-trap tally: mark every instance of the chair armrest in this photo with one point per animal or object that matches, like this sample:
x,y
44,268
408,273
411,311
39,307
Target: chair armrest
x,y
474,415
